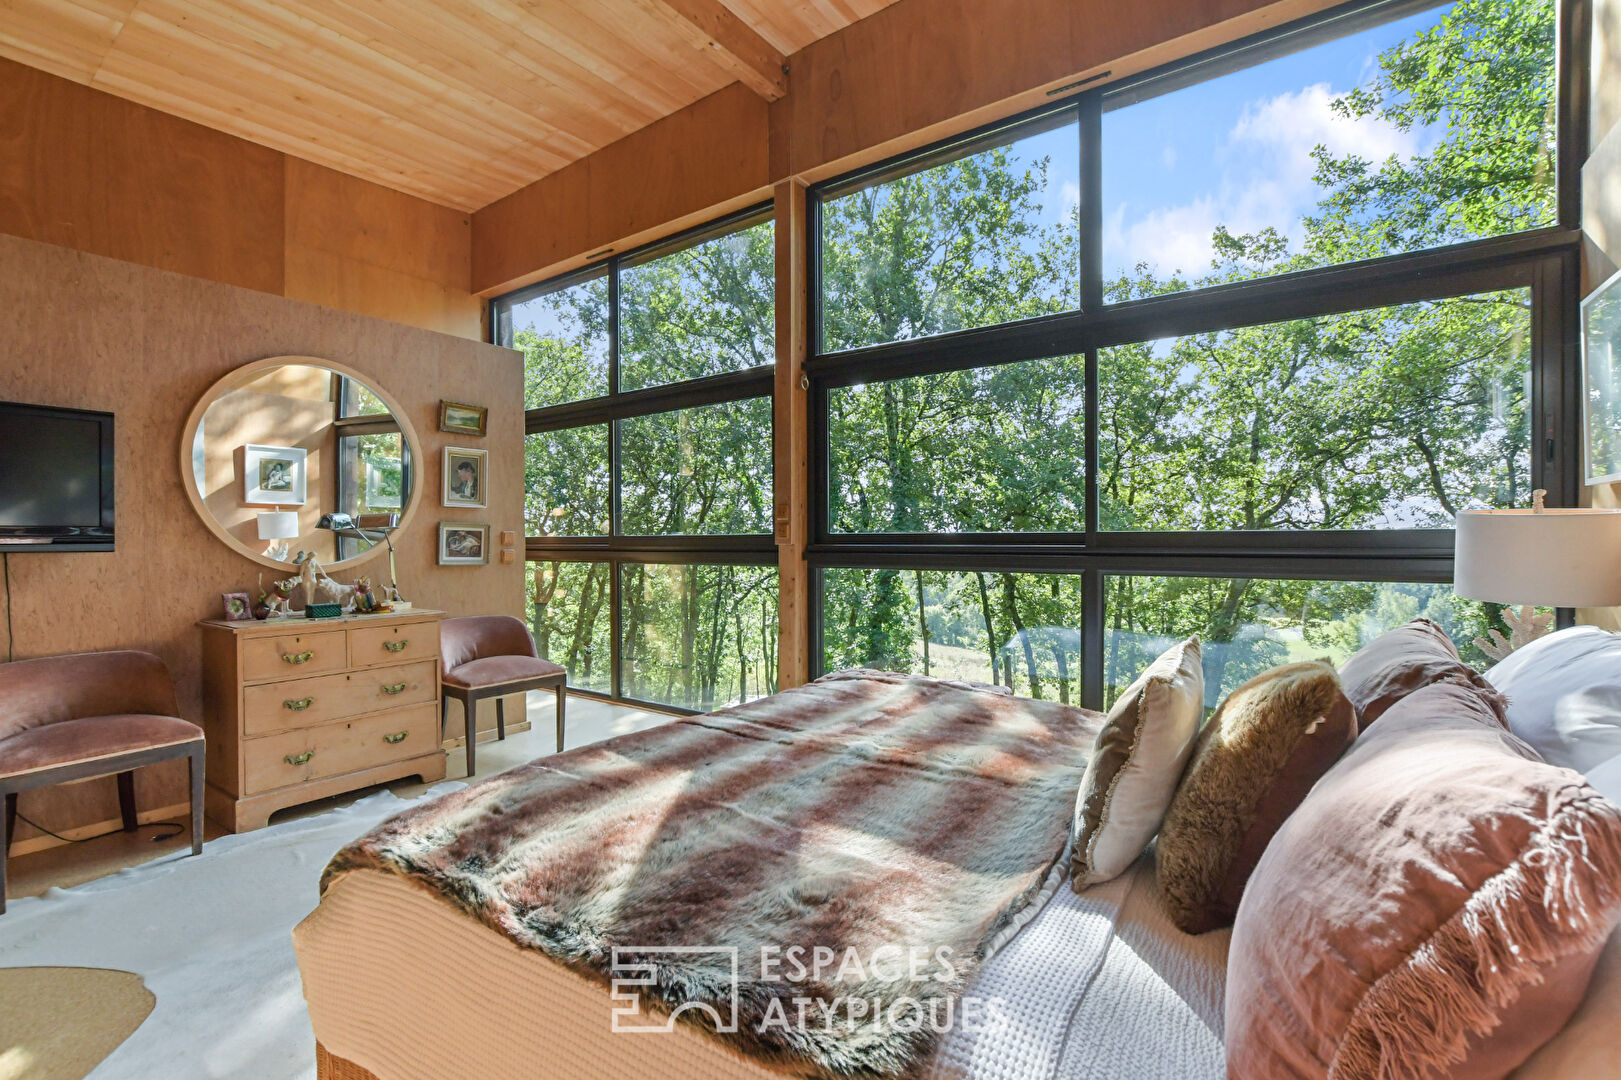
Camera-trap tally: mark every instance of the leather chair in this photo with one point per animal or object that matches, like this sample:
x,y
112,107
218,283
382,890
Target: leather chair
x,y
489,656
90,714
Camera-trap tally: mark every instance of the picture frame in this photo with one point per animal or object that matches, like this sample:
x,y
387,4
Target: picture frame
x,y
238,606
464,543
460,418
1601,383
274,475
464,477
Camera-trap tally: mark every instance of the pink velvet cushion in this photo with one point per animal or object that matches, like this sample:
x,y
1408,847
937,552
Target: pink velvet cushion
x,y
478,636
51,689
500,669
91,737
1433,908
1406,659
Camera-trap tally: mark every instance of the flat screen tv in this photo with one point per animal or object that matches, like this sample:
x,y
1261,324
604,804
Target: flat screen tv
x,y
56,479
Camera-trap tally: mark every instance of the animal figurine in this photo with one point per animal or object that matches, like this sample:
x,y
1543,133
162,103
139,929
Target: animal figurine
x,y
317,584
365,601
280,598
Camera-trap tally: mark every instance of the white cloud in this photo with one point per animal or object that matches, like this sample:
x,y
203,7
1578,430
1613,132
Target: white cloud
x,y
1167,156
1262,176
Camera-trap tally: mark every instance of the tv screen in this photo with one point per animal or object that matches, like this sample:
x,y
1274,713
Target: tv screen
x,y
56,479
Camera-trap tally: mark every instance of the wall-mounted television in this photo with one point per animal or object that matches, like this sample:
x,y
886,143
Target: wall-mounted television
x,y
56,479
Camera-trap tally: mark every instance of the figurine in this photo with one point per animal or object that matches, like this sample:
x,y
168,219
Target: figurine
x,y
280,598
365,601
316,583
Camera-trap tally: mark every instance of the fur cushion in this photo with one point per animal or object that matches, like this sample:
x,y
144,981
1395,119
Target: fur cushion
x,y
1265,747
1137,759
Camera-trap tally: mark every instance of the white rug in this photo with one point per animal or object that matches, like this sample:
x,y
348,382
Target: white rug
x,y
212,938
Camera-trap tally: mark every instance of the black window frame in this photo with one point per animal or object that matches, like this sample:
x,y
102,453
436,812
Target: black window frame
x,y
615,548
1545,260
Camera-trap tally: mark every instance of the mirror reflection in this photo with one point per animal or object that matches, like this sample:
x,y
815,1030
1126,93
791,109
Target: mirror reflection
x,y
296,442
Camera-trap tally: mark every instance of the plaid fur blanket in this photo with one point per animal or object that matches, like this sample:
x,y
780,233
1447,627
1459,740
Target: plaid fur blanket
x,y
859,842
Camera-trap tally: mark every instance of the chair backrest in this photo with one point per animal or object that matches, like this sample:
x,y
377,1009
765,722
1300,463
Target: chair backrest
x,y
477,636
52,689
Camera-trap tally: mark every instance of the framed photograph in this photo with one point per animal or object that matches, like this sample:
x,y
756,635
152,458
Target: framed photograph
x,y
1601,383
273,475
238,608
463,544
465,476
459,418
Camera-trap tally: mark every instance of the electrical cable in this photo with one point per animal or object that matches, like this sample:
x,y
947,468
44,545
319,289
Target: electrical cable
x,y
176,826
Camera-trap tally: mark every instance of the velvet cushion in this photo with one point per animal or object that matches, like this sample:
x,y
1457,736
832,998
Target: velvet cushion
x,y
500,669
478,636
1433,908
1136,761
91,737
1564,695
51,689
1253,763
1406,659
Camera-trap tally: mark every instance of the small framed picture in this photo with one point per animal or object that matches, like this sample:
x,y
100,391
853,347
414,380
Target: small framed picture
x,y
465,476
463,544
238,608
273,475
462,419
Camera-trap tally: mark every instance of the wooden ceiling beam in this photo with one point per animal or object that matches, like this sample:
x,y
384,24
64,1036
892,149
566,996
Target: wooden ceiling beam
x,y
711,25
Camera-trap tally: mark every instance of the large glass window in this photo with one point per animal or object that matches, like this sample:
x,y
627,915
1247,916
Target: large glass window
x,y
648,467
1429,130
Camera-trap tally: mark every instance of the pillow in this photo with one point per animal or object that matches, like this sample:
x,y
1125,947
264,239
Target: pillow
x,y
1136,761
1564,695
1253,763
1606,779
1406,659
1433,909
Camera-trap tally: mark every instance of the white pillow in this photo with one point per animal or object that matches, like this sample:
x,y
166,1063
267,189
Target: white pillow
x,y
1606,779
1136,764
1564,696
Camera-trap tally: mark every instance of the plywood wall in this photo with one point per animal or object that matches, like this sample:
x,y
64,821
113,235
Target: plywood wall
x,y
85,331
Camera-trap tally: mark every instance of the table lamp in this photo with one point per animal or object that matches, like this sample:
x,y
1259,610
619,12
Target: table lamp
x,y
278,526
382,525
1559,558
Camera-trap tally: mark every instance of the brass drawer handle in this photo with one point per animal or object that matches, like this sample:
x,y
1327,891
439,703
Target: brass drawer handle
x,y
394,688
298,704
299,759
298,658
397,646
398,736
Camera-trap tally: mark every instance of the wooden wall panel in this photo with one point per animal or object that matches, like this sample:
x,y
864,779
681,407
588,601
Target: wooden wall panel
x,y
91,332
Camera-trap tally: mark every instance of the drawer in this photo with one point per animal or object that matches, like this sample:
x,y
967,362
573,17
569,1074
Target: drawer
x,y
380,644
321,699
293,654
297,757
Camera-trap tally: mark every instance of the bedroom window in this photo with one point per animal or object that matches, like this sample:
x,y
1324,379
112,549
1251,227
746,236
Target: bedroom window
x,y
648,467
1305,297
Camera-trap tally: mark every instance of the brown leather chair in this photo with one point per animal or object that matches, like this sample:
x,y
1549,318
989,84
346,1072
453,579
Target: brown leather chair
x,y
90,714
489,656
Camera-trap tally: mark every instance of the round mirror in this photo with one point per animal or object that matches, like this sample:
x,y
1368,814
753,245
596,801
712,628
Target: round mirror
x,y
279,452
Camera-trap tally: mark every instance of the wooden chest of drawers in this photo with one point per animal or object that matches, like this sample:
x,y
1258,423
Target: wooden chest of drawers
x,y
299,710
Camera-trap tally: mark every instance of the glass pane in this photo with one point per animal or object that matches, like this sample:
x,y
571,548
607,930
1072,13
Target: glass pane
x,y
563,335
699,636
359,400
985,239
1392,418
570,617
566,482
375,479
998,449
1429,130
702,471
1248,625
704,310
1019,630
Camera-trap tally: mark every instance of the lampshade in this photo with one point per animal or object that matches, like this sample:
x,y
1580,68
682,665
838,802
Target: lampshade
x,y
1552,558
278,524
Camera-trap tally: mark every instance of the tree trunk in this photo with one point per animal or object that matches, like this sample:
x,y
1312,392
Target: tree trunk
x,y
922,621
1010,603
990,627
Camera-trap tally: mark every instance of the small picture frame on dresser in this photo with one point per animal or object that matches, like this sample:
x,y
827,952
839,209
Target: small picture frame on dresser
x,y
238,606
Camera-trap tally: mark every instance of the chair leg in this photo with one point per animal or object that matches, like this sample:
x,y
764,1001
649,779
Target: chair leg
x,y
5,844
195,765
501,718
470,708
126,799
562,699
444,715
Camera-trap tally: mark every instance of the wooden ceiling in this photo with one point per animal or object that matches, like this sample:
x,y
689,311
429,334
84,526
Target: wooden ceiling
x,y
457,101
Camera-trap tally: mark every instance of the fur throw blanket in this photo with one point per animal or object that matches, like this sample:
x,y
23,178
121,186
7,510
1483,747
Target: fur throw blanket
x,y
859,841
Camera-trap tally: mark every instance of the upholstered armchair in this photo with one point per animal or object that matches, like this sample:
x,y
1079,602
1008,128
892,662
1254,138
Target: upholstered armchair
x,y
491,656
91,714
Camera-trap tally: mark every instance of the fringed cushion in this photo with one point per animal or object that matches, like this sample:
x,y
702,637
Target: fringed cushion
x,y
1406,659
1432,910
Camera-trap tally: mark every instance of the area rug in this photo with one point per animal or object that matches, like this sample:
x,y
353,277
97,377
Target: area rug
x,y
210,937
58,1023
